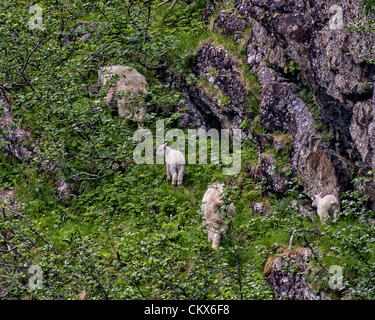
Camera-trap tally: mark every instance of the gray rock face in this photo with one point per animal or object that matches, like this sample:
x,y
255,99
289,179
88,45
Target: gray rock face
x,y
291,42
287,275
191,116
267,168
302,29
362,130
221,92
323,169
277,142
332,62
261,208
266,171
230,23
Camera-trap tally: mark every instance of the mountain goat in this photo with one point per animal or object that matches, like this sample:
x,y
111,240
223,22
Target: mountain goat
x,y
129,81
326,207
214,222
175,163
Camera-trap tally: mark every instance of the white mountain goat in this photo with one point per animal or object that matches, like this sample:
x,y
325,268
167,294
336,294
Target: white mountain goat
x,y
129,81
326,207
214,221
175,163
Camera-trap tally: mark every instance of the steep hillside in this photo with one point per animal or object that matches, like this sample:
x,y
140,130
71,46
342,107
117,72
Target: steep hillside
x,y
92,223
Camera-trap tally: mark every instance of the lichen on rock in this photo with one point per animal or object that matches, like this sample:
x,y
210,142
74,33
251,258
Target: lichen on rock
x,y
287,275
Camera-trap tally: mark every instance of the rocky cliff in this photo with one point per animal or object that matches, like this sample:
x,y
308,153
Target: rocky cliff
x,y
316,84
297,83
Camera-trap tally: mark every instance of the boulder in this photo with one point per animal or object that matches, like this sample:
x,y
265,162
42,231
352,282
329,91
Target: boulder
x,y
83,295
261,208
8,199
288,275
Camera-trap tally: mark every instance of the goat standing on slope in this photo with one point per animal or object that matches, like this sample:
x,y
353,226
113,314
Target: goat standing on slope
x,y
326,207
175,163
214,222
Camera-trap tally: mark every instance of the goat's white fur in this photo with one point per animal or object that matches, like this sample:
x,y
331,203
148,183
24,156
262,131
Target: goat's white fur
x,y
326,207
214,224
131,81
175,164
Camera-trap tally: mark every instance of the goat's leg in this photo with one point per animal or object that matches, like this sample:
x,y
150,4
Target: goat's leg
x,y
215,241
168,172
335,210
174,179
180,175
173,173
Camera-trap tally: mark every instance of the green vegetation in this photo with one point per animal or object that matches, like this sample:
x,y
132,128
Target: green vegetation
x,y
125,233
364,25
292,68
238,52
315,111
213,92
368,6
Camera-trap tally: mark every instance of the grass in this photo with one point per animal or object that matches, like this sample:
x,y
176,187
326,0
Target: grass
x,y
139,206
316,113
238,54
133,235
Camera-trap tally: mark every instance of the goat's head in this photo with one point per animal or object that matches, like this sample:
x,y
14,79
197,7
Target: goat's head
x,y
160,151
315,201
